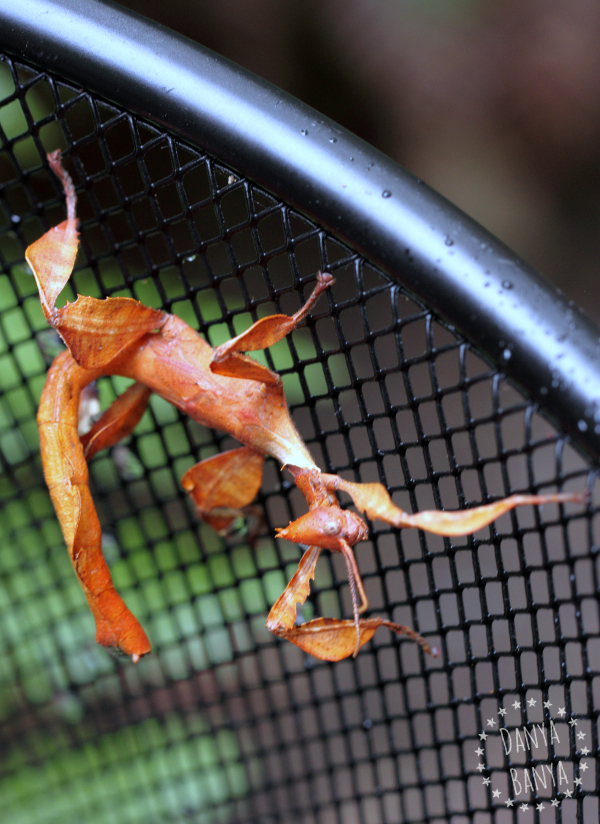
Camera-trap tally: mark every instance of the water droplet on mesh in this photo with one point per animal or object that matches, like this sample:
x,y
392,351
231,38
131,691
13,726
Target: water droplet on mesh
x,y
304,132
448,240
15,218
386,193
507,284
333,139
543,390
507,354
582,426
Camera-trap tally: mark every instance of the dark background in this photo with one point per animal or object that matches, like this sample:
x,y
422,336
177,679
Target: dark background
x,y
494,103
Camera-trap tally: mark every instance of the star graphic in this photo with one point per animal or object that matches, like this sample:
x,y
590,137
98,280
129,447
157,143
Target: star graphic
x,y
517,705
479,751
584,751
583,767
540,807
480,767
483,735
568,794
502,712
562,711
532,702
547,705
573,722
491,722
554,802
487,781
580,735
577,782
496,793
524,807
509,802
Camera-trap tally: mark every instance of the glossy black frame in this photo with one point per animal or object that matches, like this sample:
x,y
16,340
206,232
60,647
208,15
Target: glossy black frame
x,y
482,288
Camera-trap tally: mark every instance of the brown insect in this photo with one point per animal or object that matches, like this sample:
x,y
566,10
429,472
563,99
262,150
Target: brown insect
x,y
223,389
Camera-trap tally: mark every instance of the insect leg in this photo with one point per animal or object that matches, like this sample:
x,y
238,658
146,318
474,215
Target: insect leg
x,y
228,359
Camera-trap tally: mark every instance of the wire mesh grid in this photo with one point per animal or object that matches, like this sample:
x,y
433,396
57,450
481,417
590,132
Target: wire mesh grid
x,y
222,722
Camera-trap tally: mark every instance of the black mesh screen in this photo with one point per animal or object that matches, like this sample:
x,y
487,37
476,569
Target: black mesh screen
x,y
223,722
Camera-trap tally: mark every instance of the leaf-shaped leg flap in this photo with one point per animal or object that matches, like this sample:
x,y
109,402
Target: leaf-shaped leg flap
x,y
66,473
228,358
223,485
96,331
374,500
119,420
332,639
116,626
52,256
283,612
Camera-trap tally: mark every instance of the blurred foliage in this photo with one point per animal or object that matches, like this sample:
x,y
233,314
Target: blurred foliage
x,y
148,772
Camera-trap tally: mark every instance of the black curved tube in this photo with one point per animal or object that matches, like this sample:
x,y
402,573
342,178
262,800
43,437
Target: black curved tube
x,y
469,277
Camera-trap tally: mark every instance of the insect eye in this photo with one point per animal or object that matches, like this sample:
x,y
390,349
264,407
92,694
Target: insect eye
x,y
332,526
